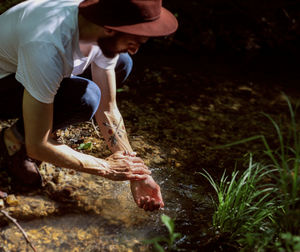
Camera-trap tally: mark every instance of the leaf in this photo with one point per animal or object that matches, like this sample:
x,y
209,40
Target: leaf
x,y
85,146
176,235
168,222
120,90
154,240
158,247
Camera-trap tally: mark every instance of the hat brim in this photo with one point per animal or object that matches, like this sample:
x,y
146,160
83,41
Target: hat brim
x,y
165,25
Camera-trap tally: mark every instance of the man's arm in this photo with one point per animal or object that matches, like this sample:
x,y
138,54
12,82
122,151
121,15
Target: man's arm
x,y
39,145
108,115
146,192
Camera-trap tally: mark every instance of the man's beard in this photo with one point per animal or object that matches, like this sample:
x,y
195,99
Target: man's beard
x,y
108,45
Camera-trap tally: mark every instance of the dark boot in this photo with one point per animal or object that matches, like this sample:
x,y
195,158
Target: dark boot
x,y
21,168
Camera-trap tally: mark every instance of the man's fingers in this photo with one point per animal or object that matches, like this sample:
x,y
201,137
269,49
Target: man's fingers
x,y
147,203
140,170
136,160
137,177
142,202
127,174
128,153
133,160
157,206
151,204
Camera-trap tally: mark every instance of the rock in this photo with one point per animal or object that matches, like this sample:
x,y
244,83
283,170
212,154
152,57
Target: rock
x,y
50,187
12,200
3,195
158,160
177,164
1,203
174,151
59,177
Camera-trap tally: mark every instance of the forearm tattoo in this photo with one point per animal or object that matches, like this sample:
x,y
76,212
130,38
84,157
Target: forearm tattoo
x,y
115,130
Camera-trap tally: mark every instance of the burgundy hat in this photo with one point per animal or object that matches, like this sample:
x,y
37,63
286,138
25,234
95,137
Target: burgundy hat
x,y
137,17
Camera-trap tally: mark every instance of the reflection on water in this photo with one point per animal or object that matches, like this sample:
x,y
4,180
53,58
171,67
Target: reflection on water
x,y
108,219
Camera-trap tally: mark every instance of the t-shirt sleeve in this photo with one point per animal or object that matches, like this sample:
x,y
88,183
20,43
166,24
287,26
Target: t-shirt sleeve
x,y
40,70
104,62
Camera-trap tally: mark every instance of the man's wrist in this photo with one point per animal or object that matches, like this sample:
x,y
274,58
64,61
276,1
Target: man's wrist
x,y
89,162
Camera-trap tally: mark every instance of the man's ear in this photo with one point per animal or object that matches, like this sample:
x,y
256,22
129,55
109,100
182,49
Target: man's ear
x,y
87,3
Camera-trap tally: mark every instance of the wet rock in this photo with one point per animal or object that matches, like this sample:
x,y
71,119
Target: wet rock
x,y
68,191
1,203
12,200
50,188
3,195
33,207
59,177
158,160
177,164
174,151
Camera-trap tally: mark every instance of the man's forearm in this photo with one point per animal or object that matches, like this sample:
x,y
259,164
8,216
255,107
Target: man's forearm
x,y
146,192
112,127
64,156
108,115
117,167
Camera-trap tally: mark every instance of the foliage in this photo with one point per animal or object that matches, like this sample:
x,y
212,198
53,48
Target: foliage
x,y
157,241
261,208
85,146
288,242
245,204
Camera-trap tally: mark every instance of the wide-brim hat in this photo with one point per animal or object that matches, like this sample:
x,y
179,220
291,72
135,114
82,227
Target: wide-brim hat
x,y
136,17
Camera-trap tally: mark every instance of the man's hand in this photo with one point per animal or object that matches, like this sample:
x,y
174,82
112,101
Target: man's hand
x,y
146,194
122,166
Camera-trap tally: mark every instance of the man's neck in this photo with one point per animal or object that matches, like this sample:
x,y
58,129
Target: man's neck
x,y
89,32
85,48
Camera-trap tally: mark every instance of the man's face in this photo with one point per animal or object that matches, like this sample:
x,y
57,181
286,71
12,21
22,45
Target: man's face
x,y
120,43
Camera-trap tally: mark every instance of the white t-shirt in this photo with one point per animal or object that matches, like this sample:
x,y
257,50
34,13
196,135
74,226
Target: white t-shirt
x,y
96,56
39,42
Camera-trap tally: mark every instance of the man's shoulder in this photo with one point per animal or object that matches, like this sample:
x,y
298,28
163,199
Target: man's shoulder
x,y
52,21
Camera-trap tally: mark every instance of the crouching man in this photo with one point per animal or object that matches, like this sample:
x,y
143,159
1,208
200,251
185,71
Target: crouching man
x,y
60,61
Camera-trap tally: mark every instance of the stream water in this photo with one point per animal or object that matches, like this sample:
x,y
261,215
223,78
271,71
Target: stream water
x,y
104,217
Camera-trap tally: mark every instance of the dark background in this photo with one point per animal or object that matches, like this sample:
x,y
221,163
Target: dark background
x,y
237,25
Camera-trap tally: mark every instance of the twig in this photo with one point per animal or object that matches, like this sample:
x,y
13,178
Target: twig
x,y
97,132
19,227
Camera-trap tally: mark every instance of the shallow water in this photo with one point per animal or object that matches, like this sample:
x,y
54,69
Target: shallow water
x,y
103,217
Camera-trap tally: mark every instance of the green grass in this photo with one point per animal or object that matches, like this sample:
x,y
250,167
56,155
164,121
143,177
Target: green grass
x,y
260,209
169,242
245,203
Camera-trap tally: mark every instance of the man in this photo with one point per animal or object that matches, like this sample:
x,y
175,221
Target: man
x,y
44,46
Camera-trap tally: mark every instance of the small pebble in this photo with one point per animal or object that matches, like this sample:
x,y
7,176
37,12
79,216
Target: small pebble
x,y
12,200
177,164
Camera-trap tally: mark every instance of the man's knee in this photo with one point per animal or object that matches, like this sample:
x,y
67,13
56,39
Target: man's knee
x,y
91,99
123,67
